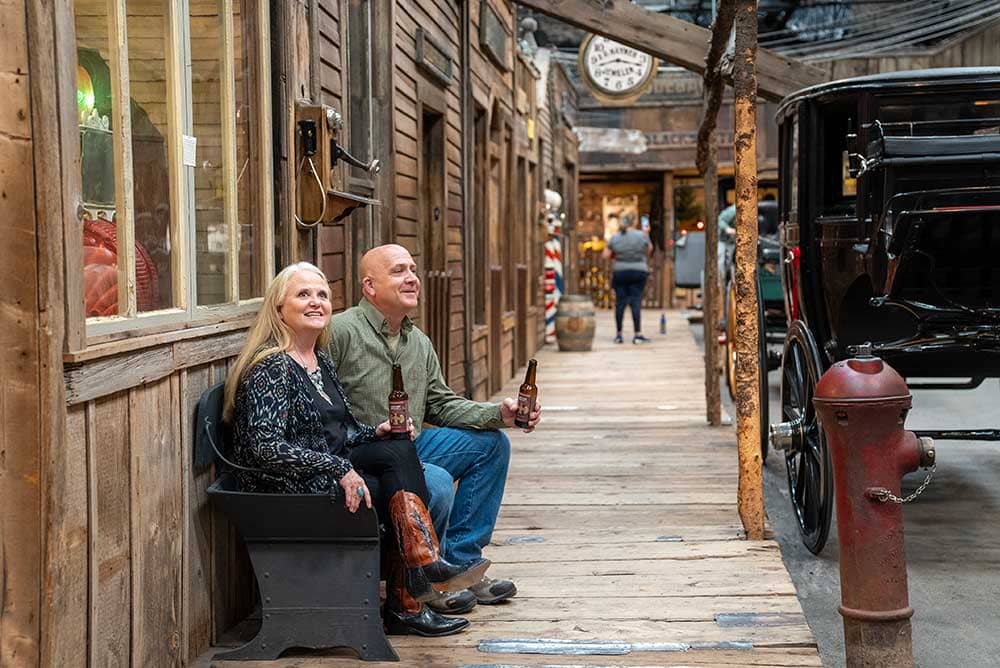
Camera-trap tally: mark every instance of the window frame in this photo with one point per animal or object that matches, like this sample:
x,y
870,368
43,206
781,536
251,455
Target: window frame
x,y
186,312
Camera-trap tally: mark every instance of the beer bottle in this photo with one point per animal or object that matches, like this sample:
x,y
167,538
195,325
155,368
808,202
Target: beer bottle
x,y
526,396
399,400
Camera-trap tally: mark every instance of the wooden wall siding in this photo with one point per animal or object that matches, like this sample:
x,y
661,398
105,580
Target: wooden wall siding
x,y
163,575
34,465
412,91
331,55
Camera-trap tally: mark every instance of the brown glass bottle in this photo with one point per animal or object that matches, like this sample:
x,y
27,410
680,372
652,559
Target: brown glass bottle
x,y
399,402
526,396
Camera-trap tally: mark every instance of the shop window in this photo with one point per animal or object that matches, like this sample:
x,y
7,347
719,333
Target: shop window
x,y
175,197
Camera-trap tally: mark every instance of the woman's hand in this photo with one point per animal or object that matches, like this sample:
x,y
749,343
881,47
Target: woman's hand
x,y
355,490
385,429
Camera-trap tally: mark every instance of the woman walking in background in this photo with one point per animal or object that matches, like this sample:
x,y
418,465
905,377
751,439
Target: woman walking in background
x,y
630,249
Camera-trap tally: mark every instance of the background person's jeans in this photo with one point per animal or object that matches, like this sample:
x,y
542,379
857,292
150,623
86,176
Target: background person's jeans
x,y
479,461
629,285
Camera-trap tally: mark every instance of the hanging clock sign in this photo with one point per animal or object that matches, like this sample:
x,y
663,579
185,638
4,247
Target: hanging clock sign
x,y
614,72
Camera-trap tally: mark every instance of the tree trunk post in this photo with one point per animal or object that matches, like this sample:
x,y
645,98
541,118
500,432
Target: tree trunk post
x,y
710,289
751,494
668,236
707,162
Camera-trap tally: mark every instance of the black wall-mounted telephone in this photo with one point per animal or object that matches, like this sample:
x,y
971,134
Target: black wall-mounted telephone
x,y
317,152
310,142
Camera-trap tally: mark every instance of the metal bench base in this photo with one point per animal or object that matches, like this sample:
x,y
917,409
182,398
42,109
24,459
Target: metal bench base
x,y
317,568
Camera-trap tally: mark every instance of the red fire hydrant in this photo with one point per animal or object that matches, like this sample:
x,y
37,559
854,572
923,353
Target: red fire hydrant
x,y
862,404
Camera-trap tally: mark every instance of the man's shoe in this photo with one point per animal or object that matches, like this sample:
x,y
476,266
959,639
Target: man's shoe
x,y
489,591
425,623
453,602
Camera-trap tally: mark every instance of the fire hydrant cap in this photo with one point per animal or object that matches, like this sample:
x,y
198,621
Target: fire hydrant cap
x,y
860,378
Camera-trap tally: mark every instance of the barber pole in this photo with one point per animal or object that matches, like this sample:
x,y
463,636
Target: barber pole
x,y
553,284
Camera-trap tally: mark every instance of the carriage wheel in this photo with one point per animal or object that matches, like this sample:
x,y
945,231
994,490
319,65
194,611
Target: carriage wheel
x,y
730,350
764,412
810,472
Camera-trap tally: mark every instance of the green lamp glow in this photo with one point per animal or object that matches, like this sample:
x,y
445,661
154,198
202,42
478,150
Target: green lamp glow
x,y
84,91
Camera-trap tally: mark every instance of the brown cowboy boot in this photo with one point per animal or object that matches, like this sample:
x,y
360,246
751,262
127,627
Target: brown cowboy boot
x,y
426,569
405,615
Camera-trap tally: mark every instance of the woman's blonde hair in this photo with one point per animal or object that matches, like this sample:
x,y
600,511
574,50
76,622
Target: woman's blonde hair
x,y
269,334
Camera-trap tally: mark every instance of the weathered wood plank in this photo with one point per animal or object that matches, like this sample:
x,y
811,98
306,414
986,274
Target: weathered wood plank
x,y
778,611
198,521
115,374
540,550
110,530
156,491
66,548
419,652
195,352
21,556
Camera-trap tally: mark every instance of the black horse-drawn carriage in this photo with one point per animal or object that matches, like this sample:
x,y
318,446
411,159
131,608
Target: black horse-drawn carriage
x,y
890,234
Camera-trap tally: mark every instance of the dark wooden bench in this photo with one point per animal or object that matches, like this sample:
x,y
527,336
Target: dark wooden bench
x,y
316,563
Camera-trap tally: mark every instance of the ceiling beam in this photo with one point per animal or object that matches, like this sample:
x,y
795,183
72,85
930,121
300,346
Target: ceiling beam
x,y
673,40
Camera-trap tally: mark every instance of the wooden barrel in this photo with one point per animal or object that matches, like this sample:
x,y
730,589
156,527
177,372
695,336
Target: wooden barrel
x,y
575,323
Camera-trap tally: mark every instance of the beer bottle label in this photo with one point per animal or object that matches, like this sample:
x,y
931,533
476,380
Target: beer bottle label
x,y
523,408
398,414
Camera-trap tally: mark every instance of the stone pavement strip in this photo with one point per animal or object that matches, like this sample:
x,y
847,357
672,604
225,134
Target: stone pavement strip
x,y
619,527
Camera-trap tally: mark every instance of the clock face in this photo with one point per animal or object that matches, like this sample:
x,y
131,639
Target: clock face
x,y
615,70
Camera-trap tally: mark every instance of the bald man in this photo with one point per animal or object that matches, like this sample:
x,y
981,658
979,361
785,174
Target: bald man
x,y
467,442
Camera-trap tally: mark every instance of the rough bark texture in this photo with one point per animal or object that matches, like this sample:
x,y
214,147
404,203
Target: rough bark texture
x,y
751,495
711,297
712,89
714,84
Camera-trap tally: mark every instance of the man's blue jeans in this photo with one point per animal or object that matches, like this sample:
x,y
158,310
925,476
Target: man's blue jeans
x,y
479,461
441,488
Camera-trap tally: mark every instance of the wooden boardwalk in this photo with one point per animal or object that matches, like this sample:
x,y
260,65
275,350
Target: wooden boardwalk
x,y
619,526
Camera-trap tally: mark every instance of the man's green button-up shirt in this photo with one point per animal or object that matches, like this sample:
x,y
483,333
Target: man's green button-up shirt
x,y
361,353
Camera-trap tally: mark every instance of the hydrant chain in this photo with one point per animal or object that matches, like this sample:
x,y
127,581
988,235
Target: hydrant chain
x,y
882,495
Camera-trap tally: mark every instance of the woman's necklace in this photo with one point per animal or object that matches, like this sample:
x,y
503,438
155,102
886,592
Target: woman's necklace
x,y
316,375
302,361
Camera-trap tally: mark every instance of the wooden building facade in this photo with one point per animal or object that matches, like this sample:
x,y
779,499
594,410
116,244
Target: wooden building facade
x,y
153,163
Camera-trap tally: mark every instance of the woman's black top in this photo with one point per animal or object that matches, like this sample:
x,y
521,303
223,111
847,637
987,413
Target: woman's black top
x,y
279,432
332,411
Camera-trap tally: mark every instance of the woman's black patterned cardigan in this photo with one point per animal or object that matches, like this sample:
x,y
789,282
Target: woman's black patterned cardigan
x,y
277,428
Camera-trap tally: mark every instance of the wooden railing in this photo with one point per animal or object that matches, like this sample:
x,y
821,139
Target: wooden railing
x,y
438,288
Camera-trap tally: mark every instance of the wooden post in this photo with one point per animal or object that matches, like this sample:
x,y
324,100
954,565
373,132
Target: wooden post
x,y
707,161
751,493
710,290
21,491
668,235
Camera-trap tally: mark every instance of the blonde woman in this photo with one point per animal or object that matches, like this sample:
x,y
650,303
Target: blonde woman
x,y
293,424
